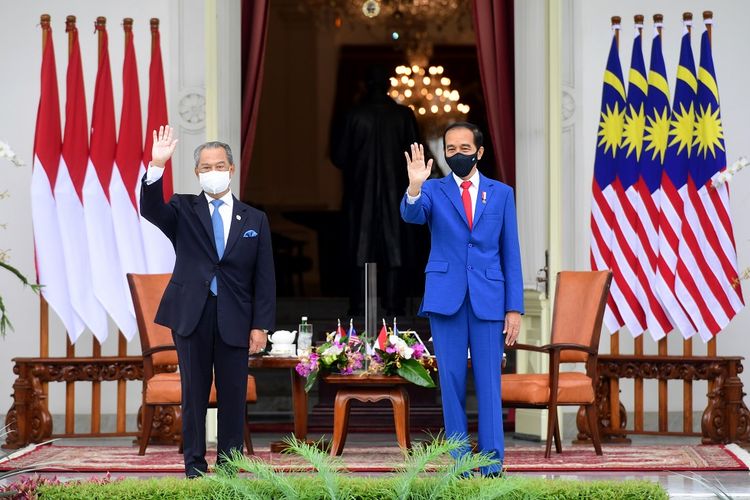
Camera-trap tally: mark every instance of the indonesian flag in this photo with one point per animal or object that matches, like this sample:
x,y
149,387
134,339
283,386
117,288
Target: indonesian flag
x,y
69,196
110,285
158,249
340,333
125,179
383,337
50,260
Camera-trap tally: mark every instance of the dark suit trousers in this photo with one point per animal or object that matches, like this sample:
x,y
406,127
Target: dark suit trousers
x,y
201,355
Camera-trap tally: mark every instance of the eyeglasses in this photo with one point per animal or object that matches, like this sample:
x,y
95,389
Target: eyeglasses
x,y
221,167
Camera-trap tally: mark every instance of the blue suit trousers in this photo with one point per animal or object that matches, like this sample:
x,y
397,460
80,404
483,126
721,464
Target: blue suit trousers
x,y
452,336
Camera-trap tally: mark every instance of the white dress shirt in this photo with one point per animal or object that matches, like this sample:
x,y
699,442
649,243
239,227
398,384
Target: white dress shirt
x,y
473,190
153,174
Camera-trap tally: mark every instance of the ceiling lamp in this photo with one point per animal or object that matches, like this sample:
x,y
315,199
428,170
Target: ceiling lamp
x,y
395,16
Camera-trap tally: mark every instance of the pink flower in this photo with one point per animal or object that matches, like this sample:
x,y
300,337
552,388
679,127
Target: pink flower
x,y
418,350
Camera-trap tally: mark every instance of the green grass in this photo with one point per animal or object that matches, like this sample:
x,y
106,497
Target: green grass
x,y
360,488
260,481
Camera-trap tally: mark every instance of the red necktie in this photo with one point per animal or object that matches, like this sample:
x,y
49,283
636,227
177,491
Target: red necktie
x,y
466,199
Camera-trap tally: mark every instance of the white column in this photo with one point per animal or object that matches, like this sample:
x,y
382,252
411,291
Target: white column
x,y
531,186
186,89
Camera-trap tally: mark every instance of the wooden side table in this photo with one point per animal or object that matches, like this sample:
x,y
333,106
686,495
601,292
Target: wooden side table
x,y
368,389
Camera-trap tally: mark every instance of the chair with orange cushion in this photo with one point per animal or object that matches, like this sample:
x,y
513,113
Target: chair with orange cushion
x,y
580,299
161,388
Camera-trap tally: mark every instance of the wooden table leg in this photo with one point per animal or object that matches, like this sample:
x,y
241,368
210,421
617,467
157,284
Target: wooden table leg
x,y
340,421
299,405
400,401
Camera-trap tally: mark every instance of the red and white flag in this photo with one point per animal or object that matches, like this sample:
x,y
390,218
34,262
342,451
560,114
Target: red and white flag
x,y
69,195
158,249
124,182
50,260
110,285
707,278
382,337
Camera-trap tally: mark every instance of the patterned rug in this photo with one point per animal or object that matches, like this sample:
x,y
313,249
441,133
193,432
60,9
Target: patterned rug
x,y
161,459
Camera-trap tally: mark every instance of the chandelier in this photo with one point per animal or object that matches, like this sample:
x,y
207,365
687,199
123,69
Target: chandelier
x,y
427,92
400,18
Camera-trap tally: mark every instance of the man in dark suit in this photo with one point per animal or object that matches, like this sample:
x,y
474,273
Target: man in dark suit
x,y
473,287
222,295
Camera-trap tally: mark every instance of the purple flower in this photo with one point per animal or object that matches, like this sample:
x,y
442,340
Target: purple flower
x,y
390,349
418,350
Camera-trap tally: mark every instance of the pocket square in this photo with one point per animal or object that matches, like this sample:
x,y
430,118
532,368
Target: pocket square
x,y
250,233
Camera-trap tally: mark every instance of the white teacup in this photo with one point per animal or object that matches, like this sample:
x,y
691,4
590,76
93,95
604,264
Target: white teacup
x,y
283,349
283,337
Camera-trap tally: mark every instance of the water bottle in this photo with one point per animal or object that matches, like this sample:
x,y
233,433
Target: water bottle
x,y
304,337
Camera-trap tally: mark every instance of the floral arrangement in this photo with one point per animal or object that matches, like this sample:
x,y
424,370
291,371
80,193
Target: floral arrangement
x,y
393,353
404,354
343,354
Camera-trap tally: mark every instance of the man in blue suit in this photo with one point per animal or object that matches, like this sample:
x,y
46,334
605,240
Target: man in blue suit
x,y
222,295
473,286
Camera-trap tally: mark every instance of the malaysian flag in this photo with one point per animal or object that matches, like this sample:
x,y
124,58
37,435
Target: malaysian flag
x,y
625,220
706,283
673,186
603,196
648,187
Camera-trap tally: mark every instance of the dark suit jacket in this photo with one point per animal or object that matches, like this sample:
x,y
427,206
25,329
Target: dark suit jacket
x,y
246,295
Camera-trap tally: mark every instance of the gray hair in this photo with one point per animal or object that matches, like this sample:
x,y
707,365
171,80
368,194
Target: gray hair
x,y
213,145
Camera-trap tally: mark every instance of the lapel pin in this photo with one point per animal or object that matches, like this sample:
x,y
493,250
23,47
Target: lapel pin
x,y
484,196
238,217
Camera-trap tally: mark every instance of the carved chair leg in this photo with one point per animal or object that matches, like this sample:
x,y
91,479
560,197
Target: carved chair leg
x,y
593,419
551,423
558,441
146,425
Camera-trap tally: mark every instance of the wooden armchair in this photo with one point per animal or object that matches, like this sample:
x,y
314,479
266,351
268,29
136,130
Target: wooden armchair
x,y
162,388
580,299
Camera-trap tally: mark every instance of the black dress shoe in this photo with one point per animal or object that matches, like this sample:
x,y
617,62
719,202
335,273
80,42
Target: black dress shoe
x,y
495,475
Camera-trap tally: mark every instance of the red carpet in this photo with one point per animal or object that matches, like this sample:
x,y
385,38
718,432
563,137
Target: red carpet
x,y
53,458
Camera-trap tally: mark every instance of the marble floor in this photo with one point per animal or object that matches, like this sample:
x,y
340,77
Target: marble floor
x,y
687,485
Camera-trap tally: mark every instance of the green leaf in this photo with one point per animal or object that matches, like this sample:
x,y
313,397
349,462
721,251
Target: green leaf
x,y
311,380
413,371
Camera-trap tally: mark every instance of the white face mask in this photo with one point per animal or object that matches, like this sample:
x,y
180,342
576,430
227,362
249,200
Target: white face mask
x,y
215,181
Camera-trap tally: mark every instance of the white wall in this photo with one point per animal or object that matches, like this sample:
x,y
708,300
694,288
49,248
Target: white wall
x,y
733,72
20,52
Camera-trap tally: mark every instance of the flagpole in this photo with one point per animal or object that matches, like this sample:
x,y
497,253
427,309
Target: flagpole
x,y
44,21
614,339
708,21
638,341
122,345
687,344
662,344
96,388
70,348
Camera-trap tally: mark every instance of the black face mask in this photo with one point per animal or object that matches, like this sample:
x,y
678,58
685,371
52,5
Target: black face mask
x,y
461,164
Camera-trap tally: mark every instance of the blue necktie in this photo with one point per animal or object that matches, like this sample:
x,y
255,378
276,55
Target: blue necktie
x,y
218,225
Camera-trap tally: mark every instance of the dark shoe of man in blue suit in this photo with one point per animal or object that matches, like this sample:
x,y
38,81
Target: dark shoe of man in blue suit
x,y
222,295
473,286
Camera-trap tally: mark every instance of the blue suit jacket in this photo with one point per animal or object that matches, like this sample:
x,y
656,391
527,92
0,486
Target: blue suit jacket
x,y
245,274
485,261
